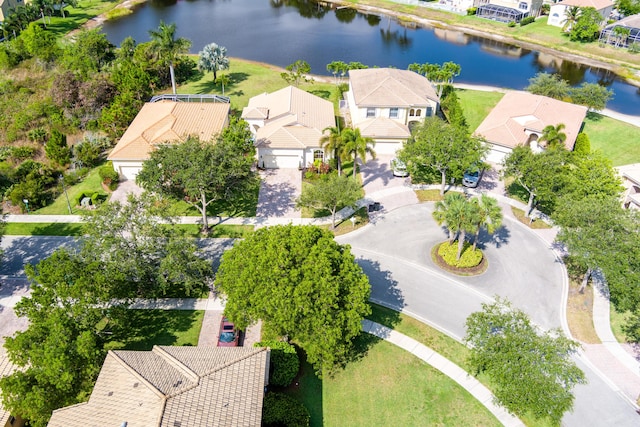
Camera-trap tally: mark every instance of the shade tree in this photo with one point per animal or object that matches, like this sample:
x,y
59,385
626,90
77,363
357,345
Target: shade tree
x,y
330,192
297,73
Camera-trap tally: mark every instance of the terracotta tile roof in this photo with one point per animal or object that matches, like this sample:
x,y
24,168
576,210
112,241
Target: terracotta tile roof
x,y
518,112
597,4
169,121
292,118
390,87
173,387
382,127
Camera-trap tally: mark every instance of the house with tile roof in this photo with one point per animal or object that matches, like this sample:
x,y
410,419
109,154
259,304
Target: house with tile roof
x,y
288,125
6,418
630,175
163,122
519,119
558,16
385,102
174,387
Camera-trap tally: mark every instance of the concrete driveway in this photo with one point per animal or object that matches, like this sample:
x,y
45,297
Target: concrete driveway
x,y
124,189
381,186
279,188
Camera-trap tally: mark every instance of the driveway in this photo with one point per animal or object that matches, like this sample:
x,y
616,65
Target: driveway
x,y
279,189
124,189
381,186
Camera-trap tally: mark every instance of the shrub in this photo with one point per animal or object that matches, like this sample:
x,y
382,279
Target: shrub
x,y
343,87
22,153
285,363
583,145
526,21
634,47
511,24
97,197
283,410
472,11
37,135
109,176
57,149
87,153
468,259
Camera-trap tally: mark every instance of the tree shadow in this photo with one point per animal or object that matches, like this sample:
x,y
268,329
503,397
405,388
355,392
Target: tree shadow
x,y
324,94
375,169
594,117
489,180
276,198
238,77
384,288
498,238
23,250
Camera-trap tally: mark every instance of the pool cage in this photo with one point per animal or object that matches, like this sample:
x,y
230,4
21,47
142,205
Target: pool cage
x,y
500,13
609,36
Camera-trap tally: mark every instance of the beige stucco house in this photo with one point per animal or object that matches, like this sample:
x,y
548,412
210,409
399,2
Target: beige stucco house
x,y
165,122
288,125
174,387
6,418
631,181
5,9
557,13
519,119
385,102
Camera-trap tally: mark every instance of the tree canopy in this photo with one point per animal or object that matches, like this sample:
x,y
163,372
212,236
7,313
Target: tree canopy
x,y
331,192
302,284
167,47
355,145
438,146
213,58
587,27
201,172
297,73
532,371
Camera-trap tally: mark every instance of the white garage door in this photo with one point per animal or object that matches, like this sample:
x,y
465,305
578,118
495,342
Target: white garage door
x,y
129,172
274,161
387,147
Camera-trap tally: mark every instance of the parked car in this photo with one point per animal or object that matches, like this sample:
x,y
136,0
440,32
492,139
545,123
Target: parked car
x,y
399,168
228,334
472,177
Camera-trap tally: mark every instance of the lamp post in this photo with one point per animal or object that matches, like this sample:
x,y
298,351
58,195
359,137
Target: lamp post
x,y
26,203
64,188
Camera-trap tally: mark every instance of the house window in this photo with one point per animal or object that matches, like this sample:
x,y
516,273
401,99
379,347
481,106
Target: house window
x,y
412,112
393,113
418,112
523,6
371,112
429,111
318,155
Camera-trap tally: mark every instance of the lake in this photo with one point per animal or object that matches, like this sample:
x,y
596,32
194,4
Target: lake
x,y
280,32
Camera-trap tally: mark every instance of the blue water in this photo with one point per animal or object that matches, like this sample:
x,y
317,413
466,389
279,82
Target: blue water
x,y
280,32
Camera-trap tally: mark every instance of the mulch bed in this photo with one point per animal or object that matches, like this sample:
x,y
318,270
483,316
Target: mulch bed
x,y
460,271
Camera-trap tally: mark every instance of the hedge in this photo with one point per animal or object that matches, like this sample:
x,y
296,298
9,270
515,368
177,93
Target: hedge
x,y
285,363
282,410
469,258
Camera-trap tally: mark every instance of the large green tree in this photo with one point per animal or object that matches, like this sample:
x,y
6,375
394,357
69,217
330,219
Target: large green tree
x,y
442,147
587,27
302,284
199,172
591,95
551,85
532,371
330,192
213,58
332,141
459,215
355,145
168,48
440,75
488,215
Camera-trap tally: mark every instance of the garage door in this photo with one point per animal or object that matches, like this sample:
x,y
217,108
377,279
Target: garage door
x,y
129,172
272,161
387,147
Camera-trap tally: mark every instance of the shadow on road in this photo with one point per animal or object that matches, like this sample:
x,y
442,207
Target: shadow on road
x,y
498,238
384,288
375,169
22,250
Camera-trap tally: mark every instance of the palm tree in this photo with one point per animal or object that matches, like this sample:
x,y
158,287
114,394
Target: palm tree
x,y
224,80
553,135
459,216
571,15
357,145
333,142
488,215
213,58
621,34
167,47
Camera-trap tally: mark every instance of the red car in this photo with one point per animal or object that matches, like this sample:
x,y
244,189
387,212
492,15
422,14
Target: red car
x,y
228,334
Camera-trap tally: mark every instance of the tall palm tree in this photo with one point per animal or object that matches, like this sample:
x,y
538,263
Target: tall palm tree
x,y
167,47
571,15
459,216
488,215
333,142
213,58
224,80
553,135
357,145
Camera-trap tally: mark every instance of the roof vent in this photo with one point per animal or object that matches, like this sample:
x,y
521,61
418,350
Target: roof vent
x,y
177,383
135,385
110,393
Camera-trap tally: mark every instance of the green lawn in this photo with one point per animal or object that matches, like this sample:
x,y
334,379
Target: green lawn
x,y
43,229
618,141
91,183
147,328
76,16
477,105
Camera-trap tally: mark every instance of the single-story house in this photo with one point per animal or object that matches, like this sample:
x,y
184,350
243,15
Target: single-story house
x,y
631,23
288,125
519,119
173,387
6,418
631,181
385,102
557,12
164,122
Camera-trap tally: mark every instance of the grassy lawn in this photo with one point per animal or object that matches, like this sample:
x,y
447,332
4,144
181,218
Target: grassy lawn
x,y
618,319
76,16
43,229
477,105
618,141
522,217
147,328
91,183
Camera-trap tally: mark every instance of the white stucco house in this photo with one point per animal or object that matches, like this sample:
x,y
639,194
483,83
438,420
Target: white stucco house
x,y
557,12
288,125
630,175
519,119
164,122
385,102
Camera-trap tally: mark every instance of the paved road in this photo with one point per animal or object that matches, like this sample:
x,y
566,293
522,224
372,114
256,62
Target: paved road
x,y
395,253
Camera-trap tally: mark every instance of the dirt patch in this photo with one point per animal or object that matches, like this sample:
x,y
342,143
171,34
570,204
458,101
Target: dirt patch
x,y
580,314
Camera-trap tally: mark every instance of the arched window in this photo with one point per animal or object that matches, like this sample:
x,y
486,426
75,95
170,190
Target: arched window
x,y
412,112
318,155
419,112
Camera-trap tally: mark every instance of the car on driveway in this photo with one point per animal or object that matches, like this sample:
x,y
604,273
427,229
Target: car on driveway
x,y
229,335
472,177
399,168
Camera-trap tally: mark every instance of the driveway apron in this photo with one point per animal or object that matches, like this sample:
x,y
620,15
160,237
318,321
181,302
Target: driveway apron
x,y
279,189
381,186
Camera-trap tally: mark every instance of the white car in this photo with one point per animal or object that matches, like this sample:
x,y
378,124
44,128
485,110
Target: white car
x,y
398,168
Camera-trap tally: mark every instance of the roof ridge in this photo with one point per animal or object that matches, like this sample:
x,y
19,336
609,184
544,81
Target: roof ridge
x,y
153,388
176,363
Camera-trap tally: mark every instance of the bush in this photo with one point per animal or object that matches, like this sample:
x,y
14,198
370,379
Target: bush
x,y
472,11
285,363
22,153
283,410
511,24
634,47
343,87
468,259
109,176
37,135
583,145
57,149
526,21
97,197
